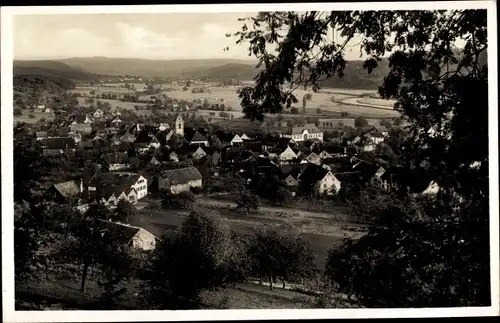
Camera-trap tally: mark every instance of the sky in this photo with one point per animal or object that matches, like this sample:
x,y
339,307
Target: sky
x,y
150,36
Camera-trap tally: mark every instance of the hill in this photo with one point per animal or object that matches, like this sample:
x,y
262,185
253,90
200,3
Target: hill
x,y
214,69
149,68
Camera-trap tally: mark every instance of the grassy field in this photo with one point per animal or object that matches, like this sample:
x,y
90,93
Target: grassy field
x,y
58,294
38,115
322,230
229,96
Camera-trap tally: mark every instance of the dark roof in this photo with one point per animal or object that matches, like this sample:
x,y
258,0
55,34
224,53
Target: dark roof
x,y
349,177
116,158
116,179
333,148
254,146
118,232
313,173
367,169
339,164
197,136
58,143
182,175
224,137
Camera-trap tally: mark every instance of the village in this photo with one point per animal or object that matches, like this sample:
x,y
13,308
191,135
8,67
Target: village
x,y
137,162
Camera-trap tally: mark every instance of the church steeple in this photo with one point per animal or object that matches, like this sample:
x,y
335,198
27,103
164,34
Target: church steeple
x,y
179,126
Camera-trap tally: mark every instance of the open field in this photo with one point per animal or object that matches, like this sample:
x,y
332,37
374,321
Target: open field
x,y
38,115
64,294
323,230
349,101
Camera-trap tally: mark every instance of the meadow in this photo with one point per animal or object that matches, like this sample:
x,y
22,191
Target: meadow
x,y
354,102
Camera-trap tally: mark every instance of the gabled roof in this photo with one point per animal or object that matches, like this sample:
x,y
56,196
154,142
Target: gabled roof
x,y
313,173
122,233
67,189
367,169
197,137
115,179
182,175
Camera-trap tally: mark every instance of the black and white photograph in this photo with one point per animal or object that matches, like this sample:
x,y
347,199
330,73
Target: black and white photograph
x,y
324,157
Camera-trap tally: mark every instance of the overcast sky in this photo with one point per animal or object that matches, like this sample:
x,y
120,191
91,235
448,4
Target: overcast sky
x,y
154,36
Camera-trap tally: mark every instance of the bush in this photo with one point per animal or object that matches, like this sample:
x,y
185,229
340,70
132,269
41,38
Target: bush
x,y
184,200
18,112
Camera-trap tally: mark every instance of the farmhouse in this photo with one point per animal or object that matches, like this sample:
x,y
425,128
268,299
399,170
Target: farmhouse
x,y
307,132
180,180
128,235
121,180
319,180
81,128
63,192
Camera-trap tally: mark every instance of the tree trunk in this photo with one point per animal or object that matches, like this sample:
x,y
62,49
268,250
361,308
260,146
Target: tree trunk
x,y
271,282
284,284
84,275
234,284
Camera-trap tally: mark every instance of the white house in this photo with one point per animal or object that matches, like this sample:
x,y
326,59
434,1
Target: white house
x,y
307,132
287,155
135,237
180,180
112,180
98,114
236,139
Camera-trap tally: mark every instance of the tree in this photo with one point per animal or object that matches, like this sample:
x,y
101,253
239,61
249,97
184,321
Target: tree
x,y
18,112
176,281
386,123
318,111
248,201
281,253
360,122
436,85
183,200
306,98
294,110
115,266
124,210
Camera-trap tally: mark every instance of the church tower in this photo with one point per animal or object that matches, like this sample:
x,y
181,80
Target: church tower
x,y
179,126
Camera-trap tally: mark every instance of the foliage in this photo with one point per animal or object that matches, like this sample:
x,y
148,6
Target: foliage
x,y
18,112
435,85
115,265
175,280
360,122
124,211
430,273
281,253
183,200
248,202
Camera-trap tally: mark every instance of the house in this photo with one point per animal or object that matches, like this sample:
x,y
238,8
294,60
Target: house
x,y
128,138
154,161
57,145
127,235
371,174
236,139
98,114
119,179
88,119
318,180
180,180
199,153
313,159
375,136
41,135
288,155
116,120
198,139
63,192
245,137
81,128
164,126
307,132
116,160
